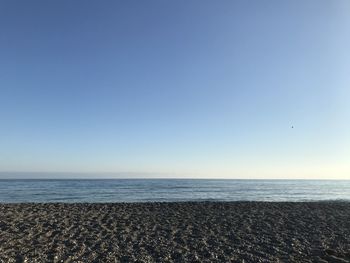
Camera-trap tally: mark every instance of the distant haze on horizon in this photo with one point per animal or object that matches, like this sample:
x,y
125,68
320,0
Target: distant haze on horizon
x,y
203,89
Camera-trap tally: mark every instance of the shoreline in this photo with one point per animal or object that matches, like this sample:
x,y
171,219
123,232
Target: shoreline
x,y
201,231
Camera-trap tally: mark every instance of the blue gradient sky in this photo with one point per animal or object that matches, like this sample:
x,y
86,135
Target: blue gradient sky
x,y
177,88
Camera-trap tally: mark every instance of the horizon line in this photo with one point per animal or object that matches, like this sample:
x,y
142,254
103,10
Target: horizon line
x,y
42,175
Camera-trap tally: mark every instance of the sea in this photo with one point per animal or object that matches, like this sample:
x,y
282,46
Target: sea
x,y
171,190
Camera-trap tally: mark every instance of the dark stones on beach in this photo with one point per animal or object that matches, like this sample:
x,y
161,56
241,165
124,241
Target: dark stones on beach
x,y
176,232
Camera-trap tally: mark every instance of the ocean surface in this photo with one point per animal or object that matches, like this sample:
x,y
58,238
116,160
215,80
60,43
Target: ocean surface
x,y
169,190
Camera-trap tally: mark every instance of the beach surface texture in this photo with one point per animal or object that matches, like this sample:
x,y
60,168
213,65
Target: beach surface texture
x,y
176,232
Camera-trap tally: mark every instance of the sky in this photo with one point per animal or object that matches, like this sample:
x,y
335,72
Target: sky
x,y
197,89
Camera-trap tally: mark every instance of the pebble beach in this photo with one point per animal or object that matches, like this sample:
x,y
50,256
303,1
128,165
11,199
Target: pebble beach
x,y
175,232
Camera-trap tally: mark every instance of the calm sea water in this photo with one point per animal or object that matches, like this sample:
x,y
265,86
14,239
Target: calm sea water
x,y
151,190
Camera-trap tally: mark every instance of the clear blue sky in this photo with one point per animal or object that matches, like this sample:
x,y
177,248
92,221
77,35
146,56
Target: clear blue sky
x,y
176,88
